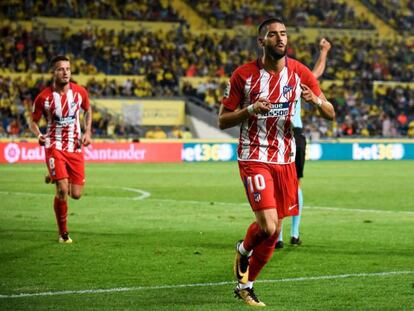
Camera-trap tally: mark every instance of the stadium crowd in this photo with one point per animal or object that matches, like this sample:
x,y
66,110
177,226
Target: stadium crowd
x,y
320,13
185,54
358,113
139,53
154,10
390,113
398,14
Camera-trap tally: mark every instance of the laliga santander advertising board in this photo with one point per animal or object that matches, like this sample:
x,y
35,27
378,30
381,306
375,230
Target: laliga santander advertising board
x,y
159,152
100,152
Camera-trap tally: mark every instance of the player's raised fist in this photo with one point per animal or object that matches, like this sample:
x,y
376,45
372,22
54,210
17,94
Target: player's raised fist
x,y
324,45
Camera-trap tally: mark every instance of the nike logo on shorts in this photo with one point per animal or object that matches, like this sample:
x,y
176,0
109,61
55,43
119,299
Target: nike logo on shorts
x,y
292,207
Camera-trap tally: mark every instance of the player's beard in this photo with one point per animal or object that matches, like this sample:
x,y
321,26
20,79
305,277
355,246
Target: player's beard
x,y
61,83
273,53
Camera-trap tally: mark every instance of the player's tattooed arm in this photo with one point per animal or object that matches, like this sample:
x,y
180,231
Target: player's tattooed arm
x,y
87,136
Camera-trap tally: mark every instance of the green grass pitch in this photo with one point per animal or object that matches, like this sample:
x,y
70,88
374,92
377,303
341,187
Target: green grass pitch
x,y
174,249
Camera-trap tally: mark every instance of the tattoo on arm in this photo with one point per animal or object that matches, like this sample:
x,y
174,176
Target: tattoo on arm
x,y
88,120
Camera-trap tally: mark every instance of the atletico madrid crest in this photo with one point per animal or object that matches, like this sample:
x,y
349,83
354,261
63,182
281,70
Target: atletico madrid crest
x,y
287,91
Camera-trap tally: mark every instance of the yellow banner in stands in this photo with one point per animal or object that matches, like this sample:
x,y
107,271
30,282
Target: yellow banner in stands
x,y
146,112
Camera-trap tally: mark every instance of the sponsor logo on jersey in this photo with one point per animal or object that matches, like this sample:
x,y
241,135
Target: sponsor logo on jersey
x,y
65,121
279,109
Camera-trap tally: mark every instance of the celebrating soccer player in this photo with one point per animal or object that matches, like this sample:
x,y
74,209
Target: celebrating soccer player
x,y
61,104
261,97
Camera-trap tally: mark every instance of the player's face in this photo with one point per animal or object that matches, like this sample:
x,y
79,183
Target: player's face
x,y
61,73
275,40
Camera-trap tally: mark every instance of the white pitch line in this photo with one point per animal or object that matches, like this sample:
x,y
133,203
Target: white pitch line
x,y
143,194
357,210
139,288
341,209
146,195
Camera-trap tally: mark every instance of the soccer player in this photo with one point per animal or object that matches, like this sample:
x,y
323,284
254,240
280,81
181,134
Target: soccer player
x,y
61,104
261,97
320,65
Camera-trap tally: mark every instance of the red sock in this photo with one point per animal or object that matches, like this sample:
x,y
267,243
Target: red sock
x,y
61,212
261,255
254,236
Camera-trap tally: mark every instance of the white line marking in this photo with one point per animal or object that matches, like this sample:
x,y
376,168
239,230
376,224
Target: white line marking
x,y
357,210
143,194
31,194
328,208
139,288
341,209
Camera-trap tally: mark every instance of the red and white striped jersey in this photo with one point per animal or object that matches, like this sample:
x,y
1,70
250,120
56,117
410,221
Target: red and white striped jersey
x,y
62,115
269,137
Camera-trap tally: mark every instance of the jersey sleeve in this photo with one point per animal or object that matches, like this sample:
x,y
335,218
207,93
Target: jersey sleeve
x,y
309,79
233,95
85,98
37,108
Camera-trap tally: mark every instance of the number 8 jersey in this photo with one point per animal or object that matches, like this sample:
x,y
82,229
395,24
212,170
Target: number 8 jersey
x,y
62,115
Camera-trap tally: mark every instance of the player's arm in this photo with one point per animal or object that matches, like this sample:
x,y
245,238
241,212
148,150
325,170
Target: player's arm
x,y
229,118
34,121
34,127
230,113
325,108
320,65
87,136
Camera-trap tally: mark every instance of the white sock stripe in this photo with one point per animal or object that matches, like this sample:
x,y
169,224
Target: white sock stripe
x,y
139,288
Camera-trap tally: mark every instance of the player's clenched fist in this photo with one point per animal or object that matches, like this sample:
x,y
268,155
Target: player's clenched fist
x,y
324,45
41,139
261,106
86,139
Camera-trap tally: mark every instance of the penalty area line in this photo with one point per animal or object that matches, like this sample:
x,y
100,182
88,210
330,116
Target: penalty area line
x,y
158,287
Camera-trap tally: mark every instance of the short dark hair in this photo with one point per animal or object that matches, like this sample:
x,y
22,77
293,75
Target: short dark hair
x,y
57,59
268,21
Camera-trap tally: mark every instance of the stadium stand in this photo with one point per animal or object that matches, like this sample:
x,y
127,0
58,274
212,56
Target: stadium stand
x,y
399,14
154,10
141,61
322,13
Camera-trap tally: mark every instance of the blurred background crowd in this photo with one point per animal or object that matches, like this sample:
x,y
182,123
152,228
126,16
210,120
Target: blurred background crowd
x,y
167,63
